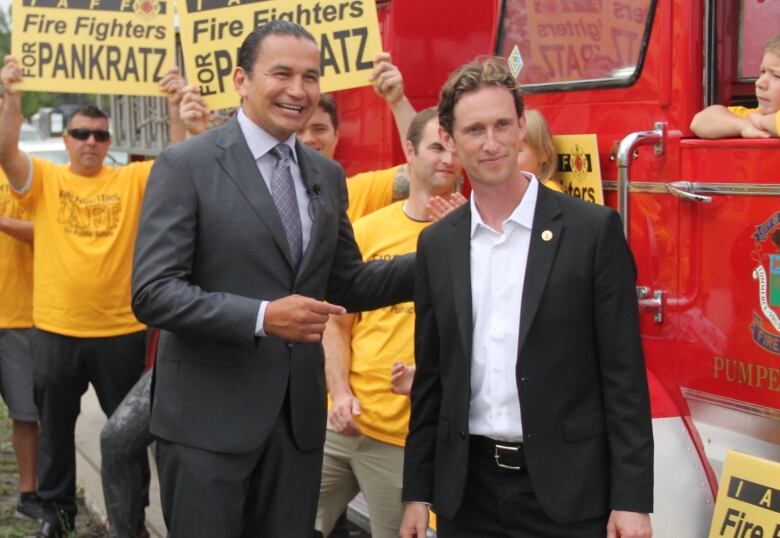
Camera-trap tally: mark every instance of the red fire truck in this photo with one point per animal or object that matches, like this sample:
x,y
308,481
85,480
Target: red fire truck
x,y
702,217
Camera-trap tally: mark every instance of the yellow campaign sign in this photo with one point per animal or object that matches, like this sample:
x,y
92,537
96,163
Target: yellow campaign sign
x,y
120,47
748,503
347,32
578,166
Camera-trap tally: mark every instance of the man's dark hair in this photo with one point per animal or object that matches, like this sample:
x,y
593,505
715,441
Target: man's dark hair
x,y
89,111
328,105
417,126
474,76
250,48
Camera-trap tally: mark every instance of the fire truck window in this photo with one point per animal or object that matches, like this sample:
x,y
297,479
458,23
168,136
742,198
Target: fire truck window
x,y
570,41
758,22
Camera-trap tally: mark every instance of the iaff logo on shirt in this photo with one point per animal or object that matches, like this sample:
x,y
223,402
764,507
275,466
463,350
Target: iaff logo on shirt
x,y
89,217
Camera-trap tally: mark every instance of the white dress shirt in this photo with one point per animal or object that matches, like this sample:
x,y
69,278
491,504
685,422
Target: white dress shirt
x,y
498,264
260,144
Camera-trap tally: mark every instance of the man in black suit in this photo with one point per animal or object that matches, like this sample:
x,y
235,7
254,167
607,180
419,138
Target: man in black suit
x,y
530,409
243,235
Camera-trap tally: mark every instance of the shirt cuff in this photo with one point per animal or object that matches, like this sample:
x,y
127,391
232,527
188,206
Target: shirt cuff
x,y
259,331
27,182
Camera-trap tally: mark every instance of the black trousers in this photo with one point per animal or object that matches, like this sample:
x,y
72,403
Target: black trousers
x,y
269,492
64,367
500,503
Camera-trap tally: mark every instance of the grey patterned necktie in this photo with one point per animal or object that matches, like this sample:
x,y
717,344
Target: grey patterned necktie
x,y
283,193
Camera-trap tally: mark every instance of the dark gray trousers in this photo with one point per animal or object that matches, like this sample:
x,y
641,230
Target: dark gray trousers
x,y
271,491
64,367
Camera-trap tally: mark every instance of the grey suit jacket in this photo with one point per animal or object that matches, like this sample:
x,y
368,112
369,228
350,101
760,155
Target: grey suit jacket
x,y
580,372
210,247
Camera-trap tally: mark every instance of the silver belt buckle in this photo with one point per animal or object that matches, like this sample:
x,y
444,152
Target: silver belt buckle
x,y
499,448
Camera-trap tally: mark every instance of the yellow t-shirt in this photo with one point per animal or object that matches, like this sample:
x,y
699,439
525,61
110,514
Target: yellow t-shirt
x,y
16,267
743,112
370,191
383,336
85,230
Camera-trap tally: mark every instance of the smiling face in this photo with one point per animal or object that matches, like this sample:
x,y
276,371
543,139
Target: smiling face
x,y
319,133
86,156
486,135
282,90
768,84
434,166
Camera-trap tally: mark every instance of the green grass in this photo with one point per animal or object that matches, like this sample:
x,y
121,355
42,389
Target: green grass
x,y
88,524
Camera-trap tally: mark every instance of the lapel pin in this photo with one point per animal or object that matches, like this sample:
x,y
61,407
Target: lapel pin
x,y
547,235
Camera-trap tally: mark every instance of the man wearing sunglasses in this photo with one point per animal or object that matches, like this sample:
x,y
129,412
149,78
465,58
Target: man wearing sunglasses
x,y
85,216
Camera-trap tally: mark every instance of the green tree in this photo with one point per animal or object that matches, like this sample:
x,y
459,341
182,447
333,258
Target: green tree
x,y
5,34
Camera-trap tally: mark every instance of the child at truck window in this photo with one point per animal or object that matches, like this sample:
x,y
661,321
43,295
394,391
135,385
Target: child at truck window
x,y
717,121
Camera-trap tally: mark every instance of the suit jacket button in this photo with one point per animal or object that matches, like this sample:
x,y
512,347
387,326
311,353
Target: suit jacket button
x,y
527,436
290,344
462,435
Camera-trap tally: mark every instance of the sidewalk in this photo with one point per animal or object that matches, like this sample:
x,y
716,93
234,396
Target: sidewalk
x,y
88,429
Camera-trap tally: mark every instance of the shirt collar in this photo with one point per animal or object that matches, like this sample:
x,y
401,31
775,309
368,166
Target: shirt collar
x,y
258,140
523,214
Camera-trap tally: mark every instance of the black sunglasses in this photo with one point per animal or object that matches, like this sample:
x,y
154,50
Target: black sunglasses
x,y
84,134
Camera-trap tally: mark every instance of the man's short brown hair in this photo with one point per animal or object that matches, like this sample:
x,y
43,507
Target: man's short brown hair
x,y
417,126
474,76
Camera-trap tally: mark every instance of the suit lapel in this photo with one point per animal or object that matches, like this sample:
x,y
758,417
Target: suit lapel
x,y
311,180
541,254
459,252
241,168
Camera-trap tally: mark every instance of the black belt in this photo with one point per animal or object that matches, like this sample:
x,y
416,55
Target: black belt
x,y
506,454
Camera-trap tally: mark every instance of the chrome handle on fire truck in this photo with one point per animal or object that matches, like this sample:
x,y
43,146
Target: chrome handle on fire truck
x,y
624,154
655,304
682,189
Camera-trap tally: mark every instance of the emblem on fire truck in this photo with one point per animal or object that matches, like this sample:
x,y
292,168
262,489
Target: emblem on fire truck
x,y
765,328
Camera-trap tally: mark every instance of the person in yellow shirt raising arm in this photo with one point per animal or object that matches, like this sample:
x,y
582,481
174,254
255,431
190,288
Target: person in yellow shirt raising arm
x,y
16,364
85,217
368,422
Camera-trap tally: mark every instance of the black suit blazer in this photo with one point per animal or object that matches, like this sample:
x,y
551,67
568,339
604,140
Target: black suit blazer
x,y
210,247
580,372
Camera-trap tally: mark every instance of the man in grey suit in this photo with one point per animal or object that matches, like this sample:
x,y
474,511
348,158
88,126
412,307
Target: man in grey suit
x,y
243,236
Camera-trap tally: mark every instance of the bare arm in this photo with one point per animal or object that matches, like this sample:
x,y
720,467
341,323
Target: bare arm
x,y
765,122
336,341
389,85
173,84
18,229
15,162
717,122
194,111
